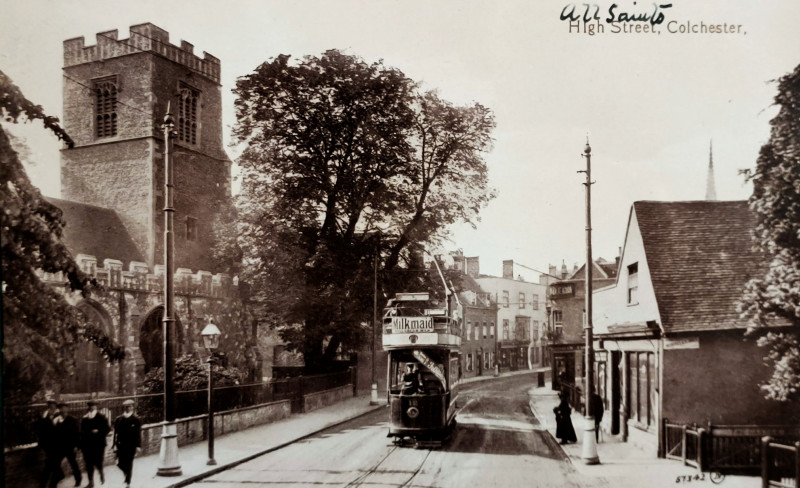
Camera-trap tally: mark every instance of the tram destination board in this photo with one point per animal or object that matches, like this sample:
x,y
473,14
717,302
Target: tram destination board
x,y
410,325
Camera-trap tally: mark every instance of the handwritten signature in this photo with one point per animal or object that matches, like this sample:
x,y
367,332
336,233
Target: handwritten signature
x,y
591,12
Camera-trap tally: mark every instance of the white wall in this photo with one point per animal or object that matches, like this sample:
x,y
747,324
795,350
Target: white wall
x,y
610,304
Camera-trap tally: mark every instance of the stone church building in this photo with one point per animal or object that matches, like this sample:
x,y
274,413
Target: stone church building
x,y
116,94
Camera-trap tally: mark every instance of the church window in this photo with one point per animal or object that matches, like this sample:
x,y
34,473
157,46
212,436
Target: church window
x,y
106,107
187,114
191,229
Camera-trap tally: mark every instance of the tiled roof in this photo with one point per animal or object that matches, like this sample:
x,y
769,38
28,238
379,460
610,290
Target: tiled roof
x,y
96,231
700,256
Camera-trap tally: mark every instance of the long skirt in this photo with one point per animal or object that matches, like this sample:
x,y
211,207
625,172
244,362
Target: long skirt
x,y
564,429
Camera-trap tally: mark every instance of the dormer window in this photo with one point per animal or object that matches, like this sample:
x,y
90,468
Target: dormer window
x,y
633,284
106,107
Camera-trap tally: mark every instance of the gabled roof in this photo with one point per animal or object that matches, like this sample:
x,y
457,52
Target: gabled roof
x,y
700,255
96,231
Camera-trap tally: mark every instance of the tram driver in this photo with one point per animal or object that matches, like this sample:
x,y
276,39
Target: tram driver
x,y
411,383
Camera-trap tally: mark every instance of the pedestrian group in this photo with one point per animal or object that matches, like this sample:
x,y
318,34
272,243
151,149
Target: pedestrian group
x,y
60,435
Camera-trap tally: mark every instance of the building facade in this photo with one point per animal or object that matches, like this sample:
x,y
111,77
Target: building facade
x,y
116,94
567,315
521,318
670,343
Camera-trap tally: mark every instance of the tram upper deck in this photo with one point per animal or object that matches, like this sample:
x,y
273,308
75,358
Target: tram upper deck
x,y
413,320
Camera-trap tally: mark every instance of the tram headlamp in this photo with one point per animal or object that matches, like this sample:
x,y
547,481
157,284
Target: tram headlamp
x,y
412,412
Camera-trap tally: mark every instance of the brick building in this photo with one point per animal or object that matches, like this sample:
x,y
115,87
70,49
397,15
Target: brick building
x,y
568,303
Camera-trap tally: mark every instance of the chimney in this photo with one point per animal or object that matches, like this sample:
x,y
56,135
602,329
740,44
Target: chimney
x,y
552,270
508,269
563,270
473,267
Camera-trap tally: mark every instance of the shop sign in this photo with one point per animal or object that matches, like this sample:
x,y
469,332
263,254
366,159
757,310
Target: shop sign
x,y
685,343
562,290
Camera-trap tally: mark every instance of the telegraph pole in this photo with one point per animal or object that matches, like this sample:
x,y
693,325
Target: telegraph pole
x,y
589,454
374,395
168,456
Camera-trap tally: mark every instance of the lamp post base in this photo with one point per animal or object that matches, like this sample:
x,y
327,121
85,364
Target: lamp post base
x,y
373,400
168,464
211,462
589,453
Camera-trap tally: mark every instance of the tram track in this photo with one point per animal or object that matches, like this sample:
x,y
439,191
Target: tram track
x,y
362,479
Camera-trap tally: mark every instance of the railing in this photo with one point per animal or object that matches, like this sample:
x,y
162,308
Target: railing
x,y
18,420
780,464
725,448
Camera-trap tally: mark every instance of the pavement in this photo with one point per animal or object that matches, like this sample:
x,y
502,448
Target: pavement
x,y
623,464
235,448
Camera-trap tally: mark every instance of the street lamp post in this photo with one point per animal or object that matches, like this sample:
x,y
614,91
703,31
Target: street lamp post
x,y
168,455
211,340
589,454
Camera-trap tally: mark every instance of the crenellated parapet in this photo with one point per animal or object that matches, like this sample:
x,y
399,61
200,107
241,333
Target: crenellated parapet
x,y
143,37
138,277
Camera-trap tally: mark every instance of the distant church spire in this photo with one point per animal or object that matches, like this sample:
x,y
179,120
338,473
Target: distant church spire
x,y
711,192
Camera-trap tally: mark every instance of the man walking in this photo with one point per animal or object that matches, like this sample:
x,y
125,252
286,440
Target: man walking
x,y
67,432
45,433
94,429
127,440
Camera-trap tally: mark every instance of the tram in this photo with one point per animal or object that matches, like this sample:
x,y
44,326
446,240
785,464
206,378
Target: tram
x,y
423,340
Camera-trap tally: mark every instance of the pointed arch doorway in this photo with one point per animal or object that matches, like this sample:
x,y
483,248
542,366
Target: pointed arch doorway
x,y
151,339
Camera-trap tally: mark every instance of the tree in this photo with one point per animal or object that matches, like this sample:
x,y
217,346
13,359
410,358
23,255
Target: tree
x,y
347,162
40,328
775,297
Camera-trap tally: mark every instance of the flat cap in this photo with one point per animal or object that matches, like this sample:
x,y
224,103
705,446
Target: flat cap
x,y
128,402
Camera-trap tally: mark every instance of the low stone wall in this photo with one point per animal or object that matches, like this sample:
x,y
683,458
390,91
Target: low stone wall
x,y
321,399
22,465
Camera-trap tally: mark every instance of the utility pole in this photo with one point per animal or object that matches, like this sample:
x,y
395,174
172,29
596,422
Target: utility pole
x,y
168,456
589,453
374,395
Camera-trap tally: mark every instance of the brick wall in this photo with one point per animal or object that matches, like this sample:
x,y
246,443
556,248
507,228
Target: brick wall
x,y
719,383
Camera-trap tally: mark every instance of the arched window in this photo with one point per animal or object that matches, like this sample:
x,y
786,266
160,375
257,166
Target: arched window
x,y
187,114
106,107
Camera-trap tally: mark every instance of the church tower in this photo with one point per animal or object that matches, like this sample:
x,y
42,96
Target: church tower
x,y
116,94
711,192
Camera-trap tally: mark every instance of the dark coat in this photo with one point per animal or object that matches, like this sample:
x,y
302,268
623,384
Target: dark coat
x,y
564,429
127,433
597,408
94,431
67,434
46,434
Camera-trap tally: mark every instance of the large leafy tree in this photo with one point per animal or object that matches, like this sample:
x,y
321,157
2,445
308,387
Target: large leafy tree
x,y
774,299
347,164
40,328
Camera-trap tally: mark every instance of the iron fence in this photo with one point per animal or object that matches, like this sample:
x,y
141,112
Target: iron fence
x,y
724,448
18,420
780,464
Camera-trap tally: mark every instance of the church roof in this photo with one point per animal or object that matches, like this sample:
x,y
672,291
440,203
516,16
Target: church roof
x,y
700,255
96,231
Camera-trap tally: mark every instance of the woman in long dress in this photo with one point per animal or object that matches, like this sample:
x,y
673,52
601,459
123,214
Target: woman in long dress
x,y
564,429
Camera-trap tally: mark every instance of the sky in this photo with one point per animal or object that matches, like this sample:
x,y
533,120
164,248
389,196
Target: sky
x,y
650,103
